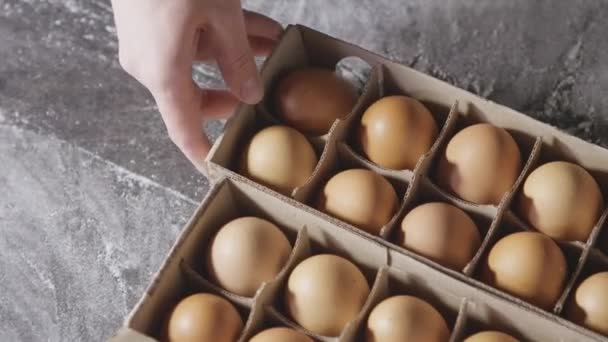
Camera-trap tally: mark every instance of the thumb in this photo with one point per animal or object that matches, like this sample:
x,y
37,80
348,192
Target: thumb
x,y
235,58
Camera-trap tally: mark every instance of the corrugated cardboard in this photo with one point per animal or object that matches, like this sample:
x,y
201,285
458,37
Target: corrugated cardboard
x,y
467,304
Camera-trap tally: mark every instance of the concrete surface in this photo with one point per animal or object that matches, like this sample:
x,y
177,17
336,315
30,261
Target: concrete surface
x,y
93,192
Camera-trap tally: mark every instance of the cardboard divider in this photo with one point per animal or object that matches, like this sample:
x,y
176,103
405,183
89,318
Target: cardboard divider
x,y
599,238
461,322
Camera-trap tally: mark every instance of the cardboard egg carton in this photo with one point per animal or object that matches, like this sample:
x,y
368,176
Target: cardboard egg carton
x,y
467,304
465,308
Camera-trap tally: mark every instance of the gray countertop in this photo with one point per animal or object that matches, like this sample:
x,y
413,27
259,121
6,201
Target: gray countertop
x,y
92,192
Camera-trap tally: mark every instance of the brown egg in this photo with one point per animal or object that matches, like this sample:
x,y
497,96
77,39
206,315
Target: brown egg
x,y
311,99
405,318
280,334
480,164
561,200
324,293
279,157
490,336
589,307
245,253
441,232
360,197
204,317
396,131
527,265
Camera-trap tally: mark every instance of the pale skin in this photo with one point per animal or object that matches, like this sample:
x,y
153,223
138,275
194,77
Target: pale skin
x,y
158,42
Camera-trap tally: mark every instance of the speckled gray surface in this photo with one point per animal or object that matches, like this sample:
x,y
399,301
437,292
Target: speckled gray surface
x,y
93,192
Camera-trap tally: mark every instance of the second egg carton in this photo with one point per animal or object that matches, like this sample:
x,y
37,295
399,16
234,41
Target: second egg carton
x,y
465,308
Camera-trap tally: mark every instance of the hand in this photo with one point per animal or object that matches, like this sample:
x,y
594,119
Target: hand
x,y
159,40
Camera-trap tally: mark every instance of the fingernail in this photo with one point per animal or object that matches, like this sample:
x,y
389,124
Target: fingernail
x,y
252,91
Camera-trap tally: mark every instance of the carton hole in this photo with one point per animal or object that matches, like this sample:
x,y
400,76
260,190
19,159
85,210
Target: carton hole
x,y
355,70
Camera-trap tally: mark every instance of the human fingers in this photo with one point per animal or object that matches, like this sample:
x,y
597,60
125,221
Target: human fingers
x,y
234,57
261,47
259,25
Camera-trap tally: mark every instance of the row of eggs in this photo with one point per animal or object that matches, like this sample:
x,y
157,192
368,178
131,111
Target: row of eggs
x,y
479,164
208,317
324,292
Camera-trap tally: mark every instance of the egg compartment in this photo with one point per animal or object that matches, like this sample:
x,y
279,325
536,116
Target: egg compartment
x,y
478,317
424,191
466,115
345,65
393,282
552,150
232,204
572,253
339,157
593,262
383,84
262,318
321,241
306,53
188,284
259,120
194,283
